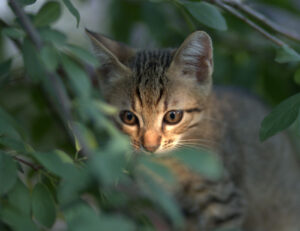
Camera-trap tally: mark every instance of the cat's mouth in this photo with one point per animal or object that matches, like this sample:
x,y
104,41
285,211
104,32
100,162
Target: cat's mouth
x,y
160,148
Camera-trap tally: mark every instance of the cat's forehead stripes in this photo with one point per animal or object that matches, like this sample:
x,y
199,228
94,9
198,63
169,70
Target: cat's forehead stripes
x,y
149,75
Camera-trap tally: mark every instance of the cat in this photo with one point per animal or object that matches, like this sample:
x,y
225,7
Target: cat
x,y
167,100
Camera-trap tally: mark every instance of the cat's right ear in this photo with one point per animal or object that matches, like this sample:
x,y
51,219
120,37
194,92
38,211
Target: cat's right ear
x,y
112,55
194,58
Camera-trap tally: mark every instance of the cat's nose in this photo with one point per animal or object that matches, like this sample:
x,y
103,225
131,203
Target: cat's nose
x,y
151,141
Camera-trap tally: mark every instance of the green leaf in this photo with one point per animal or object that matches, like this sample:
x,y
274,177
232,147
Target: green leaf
x,y
83,55
52,36
8,125
4,70
287,54
157,170
49,13
280,118
77,76
72,10
15,144
26,2
14,33
206,14
297,76
105,107
20,198
56,163
16,220
159,196
8,173
83,218
32,62
49,57
202,161
108,167
43,206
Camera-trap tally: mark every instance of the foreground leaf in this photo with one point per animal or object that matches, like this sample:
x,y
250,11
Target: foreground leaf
x,y
8,173
108,167
26,2
49,13
49,57
287,54
32,62
83,55
52,36
43,207
83,218
16,220
280,118
206,14
20,198
79,80
72,10
14,33
159,196
8,125
202,161
4,71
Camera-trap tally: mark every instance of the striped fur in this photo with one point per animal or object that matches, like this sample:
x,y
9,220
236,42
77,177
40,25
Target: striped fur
x,y
260,188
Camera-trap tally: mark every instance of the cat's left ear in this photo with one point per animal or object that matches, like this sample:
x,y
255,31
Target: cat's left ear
x,y
113,56
194,58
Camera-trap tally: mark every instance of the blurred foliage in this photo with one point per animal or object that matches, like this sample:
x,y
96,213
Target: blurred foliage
x,y
61,159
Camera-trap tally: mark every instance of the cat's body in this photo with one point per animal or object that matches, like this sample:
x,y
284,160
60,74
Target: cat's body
x,y
165,101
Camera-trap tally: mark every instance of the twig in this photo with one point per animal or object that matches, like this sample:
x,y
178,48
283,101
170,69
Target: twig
x,y
256,27
36,168
26,24
263,19
62,97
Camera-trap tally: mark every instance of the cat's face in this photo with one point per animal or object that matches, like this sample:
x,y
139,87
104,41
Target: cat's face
x,y
161,95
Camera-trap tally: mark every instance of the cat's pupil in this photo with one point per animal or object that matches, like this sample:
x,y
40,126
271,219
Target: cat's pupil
x,y
172,115
129,116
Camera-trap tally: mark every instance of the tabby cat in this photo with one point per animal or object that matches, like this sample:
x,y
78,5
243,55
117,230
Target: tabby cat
x,y
166,100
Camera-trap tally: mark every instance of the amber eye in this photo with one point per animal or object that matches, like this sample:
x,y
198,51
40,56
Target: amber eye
x,y
128,118
173,117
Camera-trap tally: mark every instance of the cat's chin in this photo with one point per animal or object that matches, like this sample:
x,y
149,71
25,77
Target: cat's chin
x,y
160,152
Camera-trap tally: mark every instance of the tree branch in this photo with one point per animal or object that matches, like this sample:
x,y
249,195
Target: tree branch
x,y
256,27
62,97
34,167
260,17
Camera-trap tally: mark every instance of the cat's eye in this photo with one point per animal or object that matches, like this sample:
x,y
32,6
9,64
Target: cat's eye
x,y
173,117
128,118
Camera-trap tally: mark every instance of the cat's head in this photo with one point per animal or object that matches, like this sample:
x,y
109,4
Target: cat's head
x,y
161,94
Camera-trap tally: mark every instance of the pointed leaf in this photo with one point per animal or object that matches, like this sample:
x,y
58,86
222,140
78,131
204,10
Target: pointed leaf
x,y
43,206
49,13
202,161
281,117
20,198
13,32
83,55
49,57
16,220
77,76
8,173
26,2
206,14
72,10
287,54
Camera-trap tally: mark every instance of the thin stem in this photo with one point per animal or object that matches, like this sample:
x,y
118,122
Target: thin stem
x,y
62,97
263,19
256,27
26,24
34,167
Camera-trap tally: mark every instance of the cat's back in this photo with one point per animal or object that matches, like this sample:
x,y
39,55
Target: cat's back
x,y
267,172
